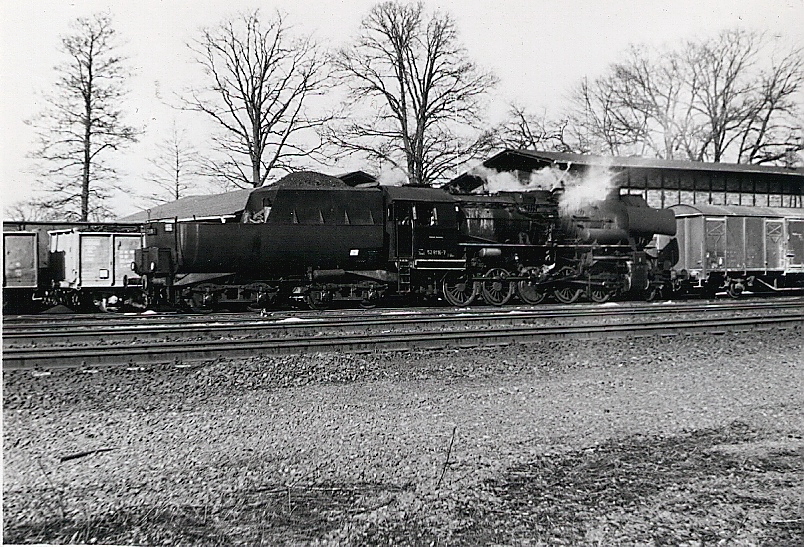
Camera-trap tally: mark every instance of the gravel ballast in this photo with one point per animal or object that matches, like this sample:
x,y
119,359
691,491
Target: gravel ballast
x,y
551,443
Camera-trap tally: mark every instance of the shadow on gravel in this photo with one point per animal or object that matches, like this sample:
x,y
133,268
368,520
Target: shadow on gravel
x,y
727,485
271,515
721,486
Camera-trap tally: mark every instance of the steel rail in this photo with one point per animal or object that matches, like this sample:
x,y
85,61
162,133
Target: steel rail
x,y
30,323
183,352
68,334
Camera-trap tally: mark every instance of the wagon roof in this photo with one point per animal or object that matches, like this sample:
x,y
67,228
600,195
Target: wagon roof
x,y
736,210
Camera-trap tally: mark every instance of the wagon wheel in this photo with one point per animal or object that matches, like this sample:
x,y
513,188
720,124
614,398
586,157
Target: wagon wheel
x,y
458,290
497,290
108,304
734,290
600,294
102,305
75,300
567,294
529,293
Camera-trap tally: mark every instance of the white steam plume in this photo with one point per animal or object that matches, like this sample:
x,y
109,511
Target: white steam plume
x,y
547,178
579,191
595,184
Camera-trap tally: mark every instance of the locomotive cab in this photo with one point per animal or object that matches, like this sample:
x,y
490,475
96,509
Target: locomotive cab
x,y
422,237
422,228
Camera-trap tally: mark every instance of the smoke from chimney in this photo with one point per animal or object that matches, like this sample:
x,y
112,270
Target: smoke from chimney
x,y
578,190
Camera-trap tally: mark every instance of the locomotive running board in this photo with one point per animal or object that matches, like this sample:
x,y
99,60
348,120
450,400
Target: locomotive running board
x,y
439,264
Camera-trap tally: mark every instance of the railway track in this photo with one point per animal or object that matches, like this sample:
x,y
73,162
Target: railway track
x,y
33,330
53,346
29,323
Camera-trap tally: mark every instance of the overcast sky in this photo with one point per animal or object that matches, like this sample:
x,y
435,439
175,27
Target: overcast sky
x,y
537,48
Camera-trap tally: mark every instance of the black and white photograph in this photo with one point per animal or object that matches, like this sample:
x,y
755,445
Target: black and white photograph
x,y
402,272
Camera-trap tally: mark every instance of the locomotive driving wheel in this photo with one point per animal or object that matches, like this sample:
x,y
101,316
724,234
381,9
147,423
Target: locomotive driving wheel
x,y
567,294
529,293
600,294
497,290
458,289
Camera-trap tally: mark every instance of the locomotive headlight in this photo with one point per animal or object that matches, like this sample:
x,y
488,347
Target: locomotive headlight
x,y
153,266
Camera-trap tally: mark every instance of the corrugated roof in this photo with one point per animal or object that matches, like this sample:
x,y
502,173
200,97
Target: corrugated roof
x,y
638,162
226,204
736,211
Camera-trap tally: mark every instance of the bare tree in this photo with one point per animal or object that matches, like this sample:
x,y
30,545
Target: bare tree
x,y
84,121
261,81
641,107
31,211
176,168
523,130
414,94
728,98
750,106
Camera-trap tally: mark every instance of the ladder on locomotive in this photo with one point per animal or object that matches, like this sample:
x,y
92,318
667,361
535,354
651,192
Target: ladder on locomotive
x,y
403,275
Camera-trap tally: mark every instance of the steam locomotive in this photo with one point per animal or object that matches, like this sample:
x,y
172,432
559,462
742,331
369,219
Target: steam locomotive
x,y
318,246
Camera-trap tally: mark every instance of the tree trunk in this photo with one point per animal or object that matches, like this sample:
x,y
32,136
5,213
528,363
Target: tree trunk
x,y
87,158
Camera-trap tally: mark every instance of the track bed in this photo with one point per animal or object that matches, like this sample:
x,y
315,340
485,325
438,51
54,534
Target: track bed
x,y
697,439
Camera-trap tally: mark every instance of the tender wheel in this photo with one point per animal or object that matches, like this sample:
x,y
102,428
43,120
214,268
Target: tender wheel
x,y
600,294
202,300
529,292
497,290
318,300
458,290
567,294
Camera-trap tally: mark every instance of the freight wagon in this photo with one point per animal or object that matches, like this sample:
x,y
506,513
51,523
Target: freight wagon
x,y
79,264
734,248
